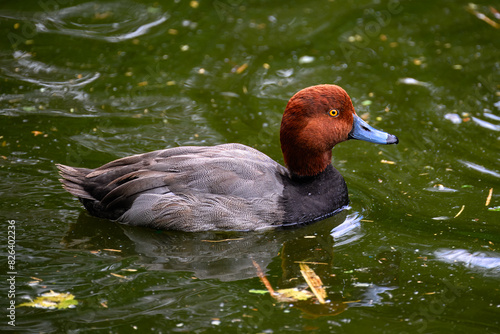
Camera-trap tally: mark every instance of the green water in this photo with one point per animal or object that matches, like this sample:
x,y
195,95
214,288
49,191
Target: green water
x,y
83,83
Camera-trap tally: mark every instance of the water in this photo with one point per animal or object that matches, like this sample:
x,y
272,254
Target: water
x,y
83,83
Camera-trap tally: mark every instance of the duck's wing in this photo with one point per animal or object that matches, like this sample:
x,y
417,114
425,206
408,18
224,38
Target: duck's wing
x,y
229,186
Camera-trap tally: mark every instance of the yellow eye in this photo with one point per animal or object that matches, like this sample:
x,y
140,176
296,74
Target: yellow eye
x,y
334,112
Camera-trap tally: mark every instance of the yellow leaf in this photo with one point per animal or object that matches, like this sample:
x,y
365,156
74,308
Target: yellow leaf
x,y
120,276
488,199
459,212
241,68
53,300
294,294
314,282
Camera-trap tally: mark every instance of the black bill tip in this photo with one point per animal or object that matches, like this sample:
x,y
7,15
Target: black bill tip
x,y
392,139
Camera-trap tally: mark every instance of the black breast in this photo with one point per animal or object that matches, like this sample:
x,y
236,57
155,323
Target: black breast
x,y
309,199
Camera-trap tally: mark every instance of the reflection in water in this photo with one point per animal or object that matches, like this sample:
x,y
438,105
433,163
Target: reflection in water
x,y
384,278
64,69
478,260
349,231
227,256
374,295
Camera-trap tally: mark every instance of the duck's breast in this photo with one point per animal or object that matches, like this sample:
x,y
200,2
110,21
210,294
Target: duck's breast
x,y
309,199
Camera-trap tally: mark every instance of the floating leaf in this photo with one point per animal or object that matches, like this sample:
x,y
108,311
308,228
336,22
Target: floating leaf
x,y
260,292
473,9
488,199
119,276
495,208
241,68
459,212
263,278
112,250
314,282
283,295
53,300
294,294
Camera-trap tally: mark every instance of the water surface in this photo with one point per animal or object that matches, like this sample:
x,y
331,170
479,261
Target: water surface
x,y
83,83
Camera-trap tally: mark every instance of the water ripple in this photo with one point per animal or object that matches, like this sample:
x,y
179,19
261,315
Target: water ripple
x,y
480,168
485,124
490,261
111,22
25,68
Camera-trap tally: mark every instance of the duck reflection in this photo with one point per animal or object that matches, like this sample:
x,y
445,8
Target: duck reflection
x,y
229,256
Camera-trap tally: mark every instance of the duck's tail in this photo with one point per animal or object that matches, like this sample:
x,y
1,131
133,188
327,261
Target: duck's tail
x,y
73,180
78,182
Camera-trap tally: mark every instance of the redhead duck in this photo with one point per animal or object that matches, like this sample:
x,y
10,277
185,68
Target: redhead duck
x,y
233,186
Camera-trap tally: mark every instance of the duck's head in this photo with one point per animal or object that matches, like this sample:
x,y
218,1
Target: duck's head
x,y
315,120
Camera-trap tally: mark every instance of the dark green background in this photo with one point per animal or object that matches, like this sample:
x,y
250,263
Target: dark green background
x,y
83,83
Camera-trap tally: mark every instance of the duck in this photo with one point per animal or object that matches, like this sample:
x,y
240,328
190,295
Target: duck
x,y
233,187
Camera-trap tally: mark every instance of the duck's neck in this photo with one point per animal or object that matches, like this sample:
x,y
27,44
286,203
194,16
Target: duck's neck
x,y
305,163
